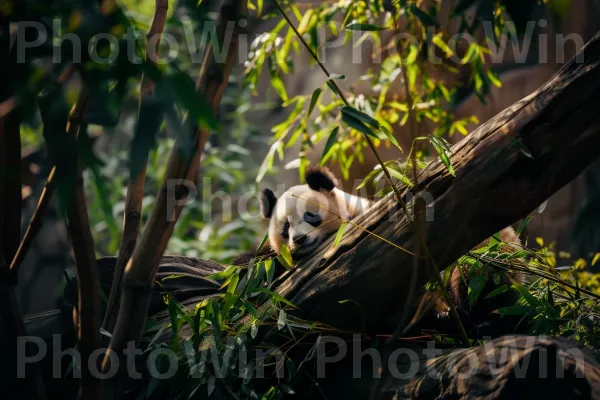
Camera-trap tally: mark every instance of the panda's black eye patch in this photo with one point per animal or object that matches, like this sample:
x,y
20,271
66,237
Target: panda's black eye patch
x,y
313,219
286,230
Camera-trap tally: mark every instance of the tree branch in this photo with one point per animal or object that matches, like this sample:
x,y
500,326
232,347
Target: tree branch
x,y
11,204
89,307
135,191
141,269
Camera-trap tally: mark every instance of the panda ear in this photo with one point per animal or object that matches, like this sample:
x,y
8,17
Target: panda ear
x,y
318,177
267,203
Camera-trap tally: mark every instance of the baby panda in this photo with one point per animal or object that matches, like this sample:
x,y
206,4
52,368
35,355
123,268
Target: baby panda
x,y
305,215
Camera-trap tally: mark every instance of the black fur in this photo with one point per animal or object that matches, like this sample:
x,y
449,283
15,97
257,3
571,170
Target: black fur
x,y
267,203
318,177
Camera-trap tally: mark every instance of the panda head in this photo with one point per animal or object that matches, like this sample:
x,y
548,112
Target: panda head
x,y
305,215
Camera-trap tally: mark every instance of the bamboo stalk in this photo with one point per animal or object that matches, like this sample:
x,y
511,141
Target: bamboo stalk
x,y
10,206
89,307
141,268
35,224
135,191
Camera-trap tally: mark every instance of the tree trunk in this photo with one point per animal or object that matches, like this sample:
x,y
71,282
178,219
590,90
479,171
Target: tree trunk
x,y
504,170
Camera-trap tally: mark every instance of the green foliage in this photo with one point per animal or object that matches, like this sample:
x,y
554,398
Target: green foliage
x,y
381,116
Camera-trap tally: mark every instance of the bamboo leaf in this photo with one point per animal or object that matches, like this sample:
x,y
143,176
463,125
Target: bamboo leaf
x,y
286,255
359,26
340,233
279,87
442,149
330,142
313,101
497,291
514,310
425,18
390,137
358,125
361,116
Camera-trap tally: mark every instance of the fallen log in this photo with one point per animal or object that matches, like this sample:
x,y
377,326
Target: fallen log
x,y
503,171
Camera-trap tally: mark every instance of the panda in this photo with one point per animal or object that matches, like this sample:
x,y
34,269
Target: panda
x,y
306,215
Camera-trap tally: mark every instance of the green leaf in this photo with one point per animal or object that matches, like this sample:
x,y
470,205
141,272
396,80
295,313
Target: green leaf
x,y
279,87
353,112
522,225
222,274
390,137
439,42
263,242
313,101
330,142
336,76
197,106
400,176
358,125
493,77
476,284
276,297
514,310
359,26
497,291
372,175
340,233
250,308
233,282
331,86
533,302
270,270
425,18
286,254
518,254
442,149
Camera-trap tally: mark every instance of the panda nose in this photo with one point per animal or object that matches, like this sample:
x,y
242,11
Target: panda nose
x,y
299,240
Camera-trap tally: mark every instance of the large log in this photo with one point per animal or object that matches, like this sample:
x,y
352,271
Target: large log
x,y
504,170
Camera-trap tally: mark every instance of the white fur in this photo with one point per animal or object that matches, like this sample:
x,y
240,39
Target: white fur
x,y
332,206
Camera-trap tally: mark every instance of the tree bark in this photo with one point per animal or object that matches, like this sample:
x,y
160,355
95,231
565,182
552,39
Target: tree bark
x,y
503,171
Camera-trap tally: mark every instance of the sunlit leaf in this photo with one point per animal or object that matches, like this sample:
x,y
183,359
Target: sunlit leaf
x,y
340,233
286,255
279,87
390,136
330,142
443,152
281,320
358,26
